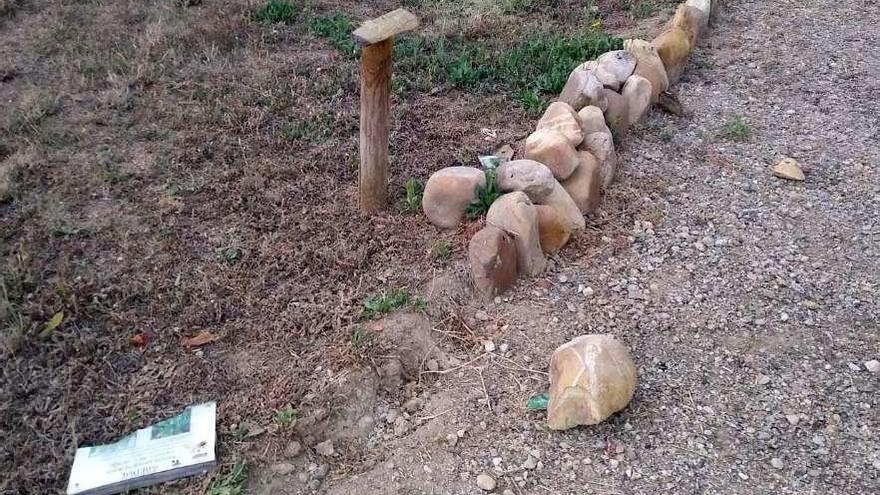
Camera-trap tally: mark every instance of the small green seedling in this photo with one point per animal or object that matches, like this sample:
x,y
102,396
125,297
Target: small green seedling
x,y
737,129
412,201
286,417
387,302
233,483
276,12
441,250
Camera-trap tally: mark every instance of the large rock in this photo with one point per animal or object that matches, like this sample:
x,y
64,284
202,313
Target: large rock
x,y
650,66
552,230
560,116
592,120
584,185
528,176
582,89
637,93
613,68
788,168
591,378
448,193
554,150
601,146
515,214
675,43
492,256
617,113
700,12
538,183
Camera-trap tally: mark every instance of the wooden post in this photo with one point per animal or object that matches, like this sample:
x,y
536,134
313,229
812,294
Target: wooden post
x,y
377,38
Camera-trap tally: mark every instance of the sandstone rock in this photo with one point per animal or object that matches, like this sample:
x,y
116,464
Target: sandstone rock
x,y
584,185
700,11
649,65
675,43
551,229
448,193
688,19
5,181
592,120
601,146
560,200
528,176
486,482
582,89
637,93
873,366
617,114
538,183
788,168
561,117
591,377
515,214
554,150
613,68
325,448
492,256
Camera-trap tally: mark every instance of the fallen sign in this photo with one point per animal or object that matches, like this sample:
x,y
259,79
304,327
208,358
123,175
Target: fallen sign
x,y
175,448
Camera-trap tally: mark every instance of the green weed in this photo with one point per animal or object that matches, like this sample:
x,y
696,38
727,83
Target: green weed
x,y
485,196
231,254
441,250
233,483
31,113
412,200
276,12
285,417
387,302
337,30
531,101
737,129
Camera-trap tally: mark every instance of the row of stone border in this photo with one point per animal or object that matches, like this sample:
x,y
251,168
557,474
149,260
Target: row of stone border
x,y
568,161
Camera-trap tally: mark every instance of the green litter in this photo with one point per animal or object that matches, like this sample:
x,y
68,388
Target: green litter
x,y
538,402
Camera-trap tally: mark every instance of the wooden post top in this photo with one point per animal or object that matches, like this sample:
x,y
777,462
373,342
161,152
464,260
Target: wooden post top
x,y
386,26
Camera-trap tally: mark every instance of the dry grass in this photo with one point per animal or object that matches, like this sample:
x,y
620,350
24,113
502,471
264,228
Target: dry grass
x,y
144,143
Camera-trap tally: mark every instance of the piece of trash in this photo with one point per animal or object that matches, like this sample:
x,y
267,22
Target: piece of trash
x,y
51,325
171,449
203,337
490,162
538,402
139,339
490,134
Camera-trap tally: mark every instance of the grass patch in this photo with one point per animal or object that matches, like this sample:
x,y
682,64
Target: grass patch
x,y
232,483
737,129
387,302
485,196
530,69
412,200
337,30
441,250
34,109
276,12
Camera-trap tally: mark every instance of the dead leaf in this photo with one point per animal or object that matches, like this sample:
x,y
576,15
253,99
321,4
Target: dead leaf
x,y
51,325
204,337
139,339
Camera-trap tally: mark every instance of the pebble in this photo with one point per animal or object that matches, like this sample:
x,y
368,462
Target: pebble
x,y
588,291
873,366
877,464
293,449
325,448
507,492
531,463
452,439
481,315
776,463
793,419
489,346
854,367
282,468
486,482
762,379
433,365
414,404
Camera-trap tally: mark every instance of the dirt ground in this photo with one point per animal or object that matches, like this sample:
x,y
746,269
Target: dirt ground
x,y
155,192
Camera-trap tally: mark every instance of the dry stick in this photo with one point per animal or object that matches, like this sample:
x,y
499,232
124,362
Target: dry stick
x,y
485,392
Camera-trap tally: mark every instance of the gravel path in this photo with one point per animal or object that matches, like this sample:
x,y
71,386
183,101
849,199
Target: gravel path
x,y
750,302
